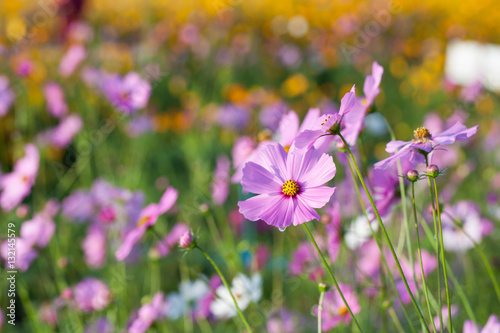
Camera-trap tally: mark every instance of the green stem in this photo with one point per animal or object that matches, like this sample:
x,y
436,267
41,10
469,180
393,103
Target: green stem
x,y
442,255
426,293
385,234
320,309
331,275
379,244
228,288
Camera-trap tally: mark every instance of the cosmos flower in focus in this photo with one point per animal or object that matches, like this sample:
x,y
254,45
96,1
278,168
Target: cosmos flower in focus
x,y
147,218
246,290
334,310
328,124
289,186
413,152
17,184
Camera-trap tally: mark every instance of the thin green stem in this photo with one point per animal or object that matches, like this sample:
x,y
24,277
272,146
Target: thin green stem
x,y
227,286
419,247
385,234
442,255
332,276
379,244
320,309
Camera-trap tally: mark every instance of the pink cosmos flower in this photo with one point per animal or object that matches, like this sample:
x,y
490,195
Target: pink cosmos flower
x,y
171,240
289,186
62,135
413,152
91,295
334,309
127,94
220,183
6,95
289,126
94,246
147,314
17,185
71,59
147,218
38,231
270,116
24,254
328,124
492,326
463,225
54,95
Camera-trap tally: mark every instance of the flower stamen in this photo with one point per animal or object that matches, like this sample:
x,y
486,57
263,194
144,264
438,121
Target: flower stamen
x,y
422,134
290,188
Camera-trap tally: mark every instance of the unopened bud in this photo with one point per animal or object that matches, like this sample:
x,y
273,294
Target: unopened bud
x,y
432,171
323,287
341,146
412,176
187,240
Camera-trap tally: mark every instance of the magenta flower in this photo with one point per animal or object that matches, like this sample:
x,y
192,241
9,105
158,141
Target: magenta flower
x,y
147,218
17,185
492,326
71,59
220,183
413,152
289,186
147,314
127,94
6,95
334,309
91,295
328,124
54,95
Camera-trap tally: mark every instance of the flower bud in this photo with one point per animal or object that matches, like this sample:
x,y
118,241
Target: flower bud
x,y
187,240
432,171
205,209
341,146
323,287
412,176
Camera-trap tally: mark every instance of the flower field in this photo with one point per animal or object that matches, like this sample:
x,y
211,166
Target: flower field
x,y
249,166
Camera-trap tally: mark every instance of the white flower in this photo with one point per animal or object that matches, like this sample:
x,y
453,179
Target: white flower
x,y
244,289
359,232
178,304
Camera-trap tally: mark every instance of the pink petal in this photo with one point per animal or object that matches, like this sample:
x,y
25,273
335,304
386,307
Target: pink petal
x,y
252,207
303,212
347,102
317,197
274,159
279,213
256,179
457,132
130,239
167,200
322,171
288,128
306,139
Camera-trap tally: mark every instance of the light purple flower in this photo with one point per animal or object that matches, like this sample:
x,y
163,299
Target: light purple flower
x,y
94,247
147,314
471,92
334,309
282,321
62,135
24,254
6,95
385,185
289,186
71,59
17,185
492,326
38,231
79,206
412,152
289,126
139,125
270,116
371,88
463,225
54,95
328,124
305,259
220,183
91,295
127,94
245,151
147,218
234,117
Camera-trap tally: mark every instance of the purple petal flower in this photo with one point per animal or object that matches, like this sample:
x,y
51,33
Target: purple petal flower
x,y
147,314
24,254
289,186
62,135
233,117
17,185
54,95
334,310
6,95
92,295
220,183
94,247
127,94
371,88
38,231
148,217
289,126
412,152
71,59
101,325
271,115
79,206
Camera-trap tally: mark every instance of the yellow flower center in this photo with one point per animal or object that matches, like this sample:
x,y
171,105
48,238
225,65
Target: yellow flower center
x,y
422,134
290,188
287,148
342,310
143,221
